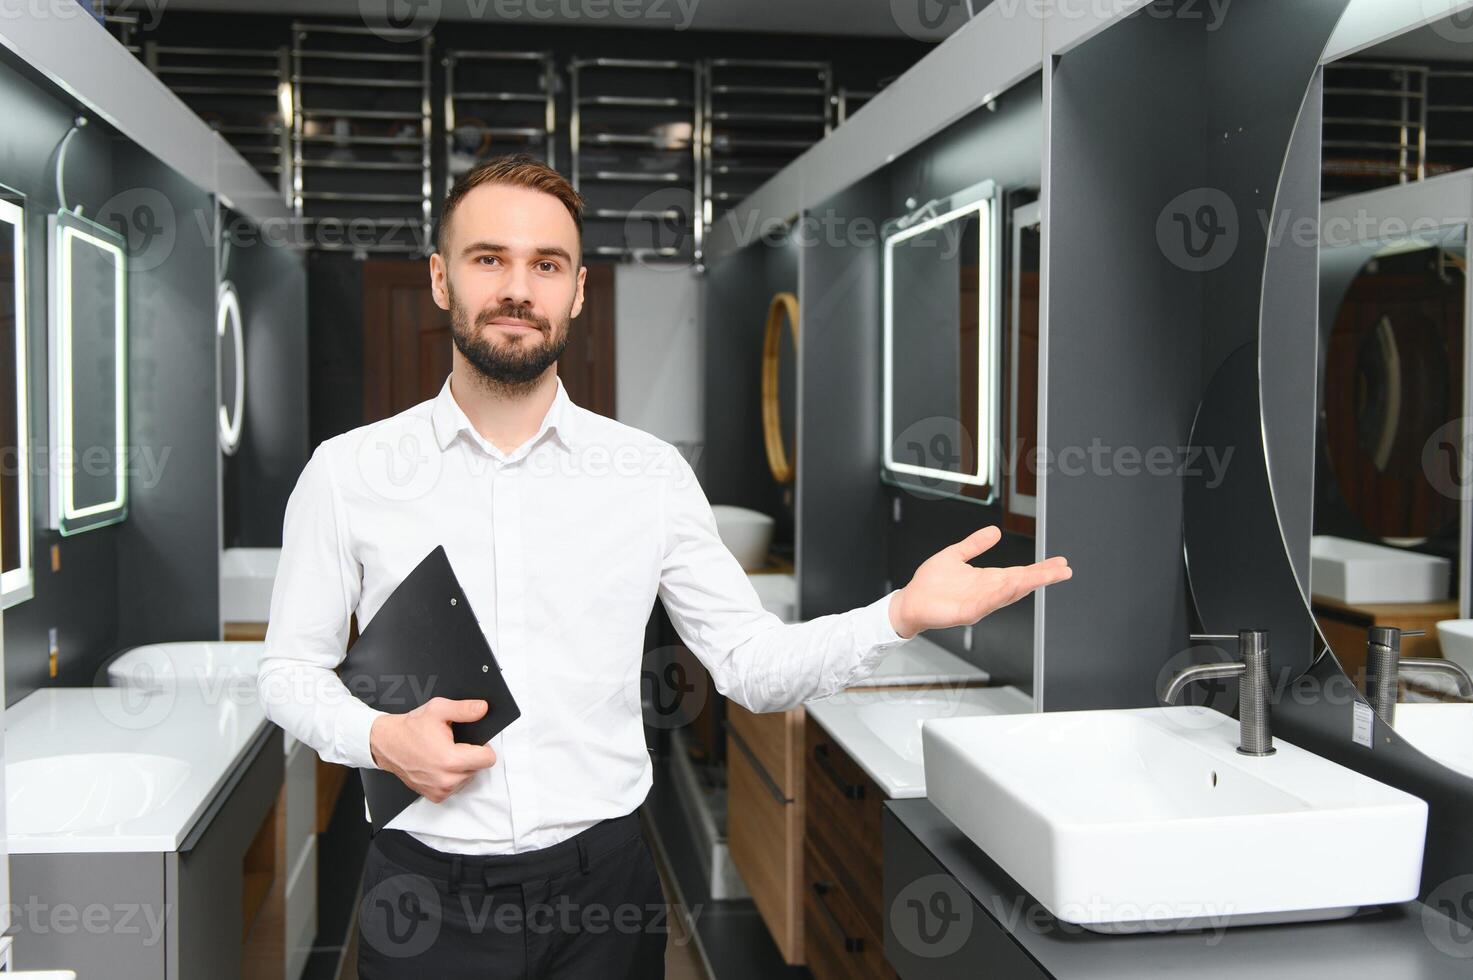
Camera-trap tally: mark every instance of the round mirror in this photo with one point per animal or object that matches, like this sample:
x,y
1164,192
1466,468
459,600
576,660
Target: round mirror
x,y
230,345
784,306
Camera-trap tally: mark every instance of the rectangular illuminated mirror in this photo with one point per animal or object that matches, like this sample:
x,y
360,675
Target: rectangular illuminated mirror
x,y
941,346
88,375
15,468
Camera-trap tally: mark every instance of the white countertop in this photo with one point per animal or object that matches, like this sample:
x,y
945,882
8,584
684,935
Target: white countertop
x,y
920,661
881,729
208,735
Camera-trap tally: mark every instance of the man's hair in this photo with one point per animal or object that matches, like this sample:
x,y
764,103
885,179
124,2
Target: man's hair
x,y
518,170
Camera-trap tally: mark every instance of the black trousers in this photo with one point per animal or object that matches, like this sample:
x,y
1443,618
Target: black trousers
x,y
588,907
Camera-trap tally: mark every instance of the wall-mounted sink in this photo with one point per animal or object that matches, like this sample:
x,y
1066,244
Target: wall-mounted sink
x,y
1455,638
1150,820
1443,732
215,668
746,534
88,791
247,576
1360,572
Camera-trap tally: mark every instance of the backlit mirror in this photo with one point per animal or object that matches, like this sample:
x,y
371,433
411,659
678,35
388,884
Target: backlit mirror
x,y
88,375
15,490
941,346
230,347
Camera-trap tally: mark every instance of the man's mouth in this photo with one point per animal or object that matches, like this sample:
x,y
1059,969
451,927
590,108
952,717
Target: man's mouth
x,y
506,321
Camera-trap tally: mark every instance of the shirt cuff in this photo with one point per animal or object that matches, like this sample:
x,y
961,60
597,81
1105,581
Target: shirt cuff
x,y
877,630
354,722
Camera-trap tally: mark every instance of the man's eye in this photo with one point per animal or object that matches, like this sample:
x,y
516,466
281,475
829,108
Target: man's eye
x,y
488,258
548,266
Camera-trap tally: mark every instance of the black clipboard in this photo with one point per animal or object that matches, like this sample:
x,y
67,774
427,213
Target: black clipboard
x,y
425,642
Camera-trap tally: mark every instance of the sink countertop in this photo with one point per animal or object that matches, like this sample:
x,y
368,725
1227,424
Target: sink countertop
x,y
881,729
211,735
1395,942
921,661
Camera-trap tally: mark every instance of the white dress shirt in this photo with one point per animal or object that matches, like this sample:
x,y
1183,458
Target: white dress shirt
x,y
561,547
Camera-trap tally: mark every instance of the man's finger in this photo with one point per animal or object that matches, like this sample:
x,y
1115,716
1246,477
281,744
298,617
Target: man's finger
x,y
466,757
469,710
977,542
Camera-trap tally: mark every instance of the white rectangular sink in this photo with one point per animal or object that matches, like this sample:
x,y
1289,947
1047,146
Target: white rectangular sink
x,y
1150,819
1359,572
1441,731
880,728
247,576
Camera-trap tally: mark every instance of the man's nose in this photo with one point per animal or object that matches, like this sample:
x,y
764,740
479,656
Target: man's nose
x,y
516,287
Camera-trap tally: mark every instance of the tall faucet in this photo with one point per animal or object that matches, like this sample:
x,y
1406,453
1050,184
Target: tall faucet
x,y
1385,667
1255,735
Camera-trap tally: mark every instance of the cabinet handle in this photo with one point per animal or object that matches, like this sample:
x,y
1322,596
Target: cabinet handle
x,y
853,791
852,944
772,787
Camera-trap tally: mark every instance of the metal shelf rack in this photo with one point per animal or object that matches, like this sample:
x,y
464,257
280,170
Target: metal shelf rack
x,y
360,139
1375,125
240,92
758,116
496,96
636,156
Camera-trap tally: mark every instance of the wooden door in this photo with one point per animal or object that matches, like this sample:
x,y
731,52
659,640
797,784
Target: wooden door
x,y
407,342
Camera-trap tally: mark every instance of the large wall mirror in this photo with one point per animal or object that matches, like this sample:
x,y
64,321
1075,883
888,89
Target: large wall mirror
x,y
89,327
15,490
941,402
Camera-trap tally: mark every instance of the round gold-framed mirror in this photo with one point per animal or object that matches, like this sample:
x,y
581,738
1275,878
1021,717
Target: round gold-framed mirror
x,y
784,306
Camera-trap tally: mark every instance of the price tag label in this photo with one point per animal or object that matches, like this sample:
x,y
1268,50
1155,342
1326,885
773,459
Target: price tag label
x,y
1363,728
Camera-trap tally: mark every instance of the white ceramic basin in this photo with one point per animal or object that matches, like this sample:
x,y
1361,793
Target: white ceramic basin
x,y
1150,819
880,728
217,669
1455,637
246,578
746,534
1356,572
90,791
1443,732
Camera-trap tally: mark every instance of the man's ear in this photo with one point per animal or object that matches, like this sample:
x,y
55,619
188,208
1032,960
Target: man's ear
x,y
438,286
578,293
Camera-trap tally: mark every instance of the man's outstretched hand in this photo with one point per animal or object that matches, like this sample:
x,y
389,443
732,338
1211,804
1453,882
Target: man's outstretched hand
x,y
948,591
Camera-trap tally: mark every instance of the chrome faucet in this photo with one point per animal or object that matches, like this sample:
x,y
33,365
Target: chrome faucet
x,y
1255,736
1385,667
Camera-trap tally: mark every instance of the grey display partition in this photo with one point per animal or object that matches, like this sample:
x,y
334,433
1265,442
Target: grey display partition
x,y
732,464
1163,127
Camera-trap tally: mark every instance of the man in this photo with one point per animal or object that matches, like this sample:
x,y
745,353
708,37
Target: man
x,y
524,857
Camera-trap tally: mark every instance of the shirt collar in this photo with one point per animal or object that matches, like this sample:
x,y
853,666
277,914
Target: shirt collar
x,y
449,419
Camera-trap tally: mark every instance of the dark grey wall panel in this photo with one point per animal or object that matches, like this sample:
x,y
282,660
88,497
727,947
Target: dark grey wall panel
x,y
843,526
258,479
733,463
154,576
1170,140
168,559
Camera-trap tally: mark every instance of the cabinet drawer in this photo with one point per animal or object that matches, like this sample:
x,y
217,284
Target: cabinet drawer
x,y
765,836
776,740
840,943
843,822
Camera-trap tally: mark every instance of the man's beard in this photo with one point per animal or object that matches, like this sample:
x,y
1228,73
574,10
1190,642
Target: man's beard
x,y
511,366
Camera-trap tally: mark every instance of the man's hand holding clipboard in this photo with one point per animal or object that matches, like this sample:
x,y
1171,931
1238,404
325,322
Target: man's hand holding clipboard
x,y
424,659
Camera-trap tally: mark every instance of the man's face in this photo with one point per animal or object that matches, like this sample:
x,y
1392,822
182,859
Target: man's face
x,y
511,278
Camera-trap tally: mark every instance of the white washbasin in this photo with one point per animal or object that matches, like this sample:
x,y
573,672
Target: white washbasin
x,y
246,578
221,670
880,728
747,534
1150,820
1357,572
1455,637
1443,732
88,791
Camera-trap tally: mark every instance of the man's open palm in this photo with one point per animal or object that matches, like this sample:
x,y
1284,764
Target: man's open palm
x,y
947,590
